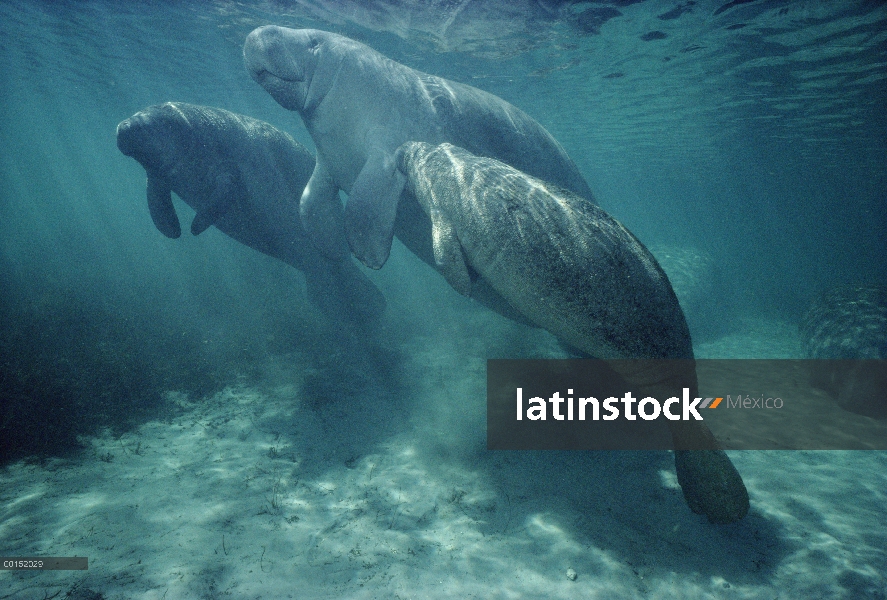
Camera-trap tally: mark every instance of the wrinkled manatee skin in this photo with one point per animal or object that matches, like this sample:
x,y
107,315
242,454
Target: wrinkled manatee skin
x,y
569,267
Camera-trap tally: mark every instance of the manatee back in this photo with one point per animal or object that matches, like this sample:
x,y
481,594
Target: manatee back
x,y
488,126
248,143
272,166
285,155
559,260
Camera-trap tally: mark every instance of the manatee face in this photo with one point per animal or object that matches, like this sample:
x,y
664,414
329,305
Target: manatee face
x,y
283,61
152,137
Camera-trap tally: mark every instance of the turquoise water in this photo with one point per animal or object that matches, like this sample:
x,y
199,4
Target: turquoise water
x,y
752,133
762,145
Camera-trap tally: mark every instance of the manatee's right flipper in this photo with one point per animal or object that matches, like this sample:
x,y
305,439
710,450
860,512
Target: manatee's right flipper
x,y
163,213
343,292
322,214
711,484
448,256
372,208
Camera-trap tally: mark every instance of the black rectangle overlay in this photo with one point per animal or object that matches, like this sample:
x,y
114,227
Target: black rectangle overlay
x,y
764,404
44,563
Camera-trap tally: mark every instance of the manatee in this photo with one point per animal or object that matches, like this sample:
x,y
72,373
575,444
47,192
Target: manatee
x,y
244,177
569,267
359,107
846,328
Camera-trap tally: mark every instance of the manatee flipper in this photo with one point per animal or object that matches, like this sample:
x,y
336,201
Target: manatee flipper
x,y
372,207
711,484
163,213
322,215
226,192
448,256
343,292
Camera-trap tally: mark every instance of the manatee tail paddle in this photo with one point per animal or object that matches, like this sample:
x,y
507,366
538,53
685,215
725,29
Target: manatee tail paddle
x,y
711,484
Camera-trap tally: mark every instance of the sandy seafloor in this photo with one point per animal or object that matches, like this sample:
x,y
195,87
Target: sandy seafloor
x,y
259,492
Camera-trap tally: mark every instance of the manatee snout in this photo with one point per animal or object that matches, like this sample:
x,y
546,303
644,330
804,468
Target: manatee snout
x,y
149,137
282,61
254,53
128,135
143,137
272,51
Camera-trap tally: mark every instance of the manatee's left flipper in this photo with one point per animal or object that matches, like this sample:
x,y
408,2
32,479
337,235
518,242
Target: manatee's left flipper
x,y
322,214
448,256
163,213
372,207
711,484
227,191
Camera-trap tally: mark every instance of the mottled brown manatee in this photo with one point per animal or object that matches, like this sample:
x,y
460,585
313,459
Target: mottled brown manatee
x,y
245,177
569,267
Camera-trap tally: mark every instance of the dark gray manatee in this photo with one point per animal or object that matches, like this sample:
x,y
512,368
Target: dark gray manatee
x,y
567,266
245,177
846,327
359,107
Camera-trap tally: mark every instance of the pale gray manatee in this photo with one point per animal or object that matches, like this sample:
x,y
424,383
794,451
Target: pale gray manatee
x,y
569,267
244,177
359,107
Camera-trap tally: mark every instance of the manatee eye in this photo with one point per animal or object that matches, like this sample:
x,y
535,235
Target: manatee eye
x,y
313,44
